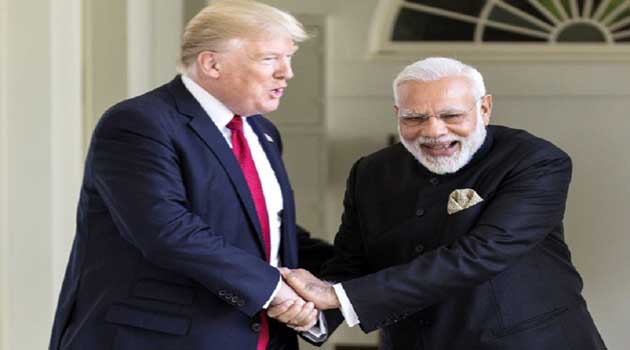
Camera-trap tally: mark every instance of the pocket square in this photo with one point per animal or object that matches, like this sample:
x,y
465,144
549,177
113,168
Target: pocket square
x,y
461,199
269,138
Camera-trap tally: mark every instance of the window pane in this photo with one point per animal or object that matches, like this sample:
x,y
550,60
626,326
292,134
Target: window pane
x,y
416,26
502,16
581,32
525,6
491,34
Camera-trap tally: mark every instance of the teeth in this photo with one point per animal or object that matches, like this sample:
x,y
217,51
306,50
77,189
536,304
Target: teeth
x,y
438,146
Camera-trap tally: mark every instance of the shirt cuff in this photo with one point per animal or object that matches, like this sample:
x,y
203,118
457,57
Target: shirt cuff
x,y
346,307
273,295
319,332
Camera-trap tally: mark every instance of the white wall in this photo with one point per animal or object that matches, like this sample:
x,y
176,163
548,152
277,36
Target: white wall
x,y
105,58
154,28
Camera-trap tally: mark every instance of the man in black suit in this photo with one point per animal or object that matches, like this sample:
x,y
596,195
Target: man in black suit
x,y
454,239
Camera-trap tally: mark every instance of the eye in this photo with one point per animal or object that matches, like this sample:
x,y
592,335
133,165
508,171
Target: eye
x,y
451,116
269,59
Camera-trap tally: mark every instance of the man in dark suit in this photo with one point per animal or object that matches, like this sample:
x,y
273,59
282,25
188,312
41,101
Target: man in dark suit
x,y
454,239
186,209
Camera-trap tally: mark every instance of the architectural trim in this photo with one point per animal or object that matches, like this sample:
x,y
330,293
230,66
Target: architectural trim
x,y
87,49
4,217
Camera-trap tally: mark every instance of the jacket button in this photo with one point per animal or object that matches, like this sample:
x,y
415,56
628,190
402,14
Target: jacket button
x,y
419,248
240,303
419,212
222,293
255,326
434,181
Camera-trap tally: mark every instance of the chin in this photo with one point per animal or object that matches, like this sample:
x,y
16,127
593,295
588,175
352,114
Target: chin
x,y
443,165
268,108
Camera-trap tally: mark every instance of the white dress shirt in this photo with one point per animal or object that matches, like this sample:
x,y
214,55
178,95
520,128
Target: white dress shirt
x,y
221,116
347,310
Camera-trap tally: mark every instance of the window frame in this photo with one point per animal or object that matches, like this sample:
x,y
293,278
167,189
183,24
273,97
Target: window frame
x,y
383,48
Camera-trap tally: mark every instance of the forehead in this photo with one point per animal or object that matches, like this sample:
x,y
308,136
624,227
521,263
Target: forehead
x,y
438,94
265,43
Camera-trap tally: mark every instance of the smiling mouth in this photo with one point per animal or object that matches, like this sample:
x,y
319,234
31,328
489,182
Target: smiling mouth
x,y
444,149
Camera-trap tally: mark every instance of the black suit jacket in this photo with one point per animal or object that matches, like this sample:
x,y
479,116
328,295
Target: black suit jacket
x,y
497,275
168,252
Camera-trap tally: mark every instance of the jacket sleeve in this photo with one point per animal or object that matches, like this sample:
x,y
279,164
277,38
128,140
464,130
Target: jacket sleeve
x,y
135,167
526,207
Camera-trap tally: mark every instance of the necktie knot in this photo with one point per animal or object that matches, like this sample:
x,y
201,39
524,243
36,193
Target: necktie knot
x,y
236,124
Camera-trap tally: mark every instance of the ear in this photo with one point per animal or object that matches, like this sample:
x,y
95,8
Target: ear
x,y
486,108
396,111
208,65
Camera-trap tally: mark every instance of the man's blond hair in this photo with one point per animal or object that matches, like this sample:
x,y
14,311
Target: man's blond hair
x,y
214,26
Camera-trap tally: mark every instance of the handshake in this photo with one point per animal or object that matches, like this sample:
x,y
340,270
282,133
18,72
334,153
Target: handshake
x,y
300,299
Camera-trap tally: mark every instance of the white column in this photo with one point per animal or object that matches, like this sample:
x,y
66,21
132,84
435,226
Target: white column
x,y
40,156
27,113
66,130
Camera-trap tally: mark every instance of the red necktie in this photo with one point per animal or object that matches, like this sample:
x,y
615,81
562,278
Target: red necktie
x,y
244,157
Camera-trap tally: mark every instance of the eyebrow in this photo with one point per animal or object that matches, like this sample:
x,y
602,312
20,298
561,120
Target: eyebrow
x,y
444,111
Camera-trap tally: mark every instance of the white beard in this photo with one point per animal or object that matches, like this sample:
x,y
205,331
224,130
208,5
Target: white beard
x,y
447,165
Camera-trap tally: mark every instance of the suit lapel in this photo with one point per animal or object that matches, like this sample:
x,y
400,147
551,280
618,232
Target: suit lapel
x,y
203,126
275,159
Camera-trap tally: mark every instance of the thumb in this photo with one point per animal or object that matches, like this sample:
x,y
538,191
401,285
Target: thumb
x,y
284,272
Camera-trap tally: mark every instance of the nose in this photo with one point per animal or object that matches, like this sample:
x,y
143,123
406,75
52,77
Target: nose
x,y
434,128
284,70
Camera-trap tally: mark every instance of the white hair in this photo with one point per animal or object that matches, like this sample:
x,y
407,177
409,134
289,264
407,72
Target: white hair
x,y
214,26
436,68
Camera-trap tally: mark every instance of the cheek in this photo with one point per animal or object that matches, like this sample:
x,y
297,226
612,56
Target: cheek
x,y
463,130
408,133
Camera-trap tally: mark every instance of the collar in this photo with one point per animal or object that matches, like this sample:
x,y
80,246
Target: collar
x,y
217,111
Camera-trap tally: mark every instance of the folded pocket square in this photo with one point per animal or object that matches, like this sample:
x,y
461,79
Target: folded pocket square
x,y
461,199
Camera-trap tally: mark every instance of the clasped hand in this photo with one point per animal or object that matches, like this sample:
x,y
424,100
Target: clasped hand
x,y
300,299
